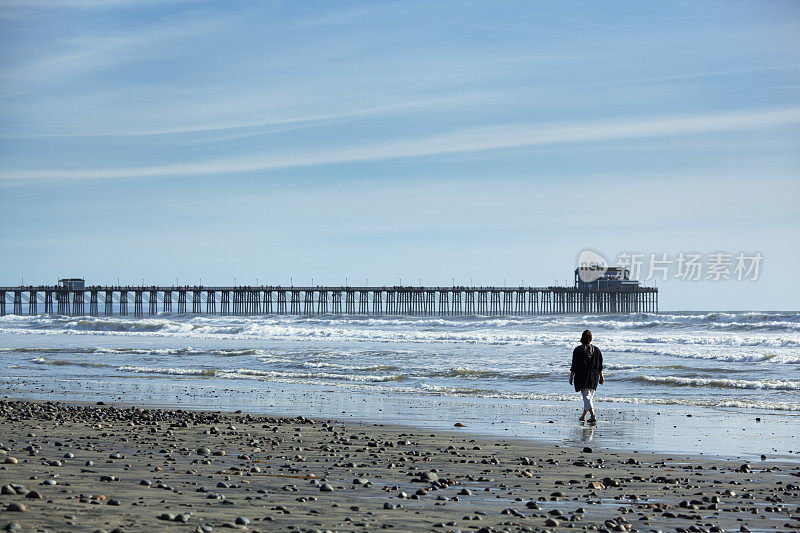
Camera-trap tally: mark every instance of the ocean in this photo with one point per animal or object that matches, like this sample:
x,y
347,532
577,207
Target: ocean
x,y
705,382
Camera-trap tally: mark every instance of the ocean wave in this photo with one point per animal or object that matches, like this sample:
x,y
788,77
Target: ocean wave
x,y
719,339
279,331
249,373
743,403
613,366
337,366
374,378
755,319
208,372
474,373
723,383
711,353
710,403
59,362
456,391
550,332
213,352
785,321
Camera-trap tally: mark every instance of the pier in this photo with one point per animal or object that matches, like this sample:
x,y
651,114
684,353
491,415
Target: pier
x,y
138,301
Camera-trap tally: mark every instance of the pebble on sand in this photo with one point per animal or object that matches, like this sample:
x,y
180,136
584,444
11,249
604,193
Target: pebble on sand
x,y
429,476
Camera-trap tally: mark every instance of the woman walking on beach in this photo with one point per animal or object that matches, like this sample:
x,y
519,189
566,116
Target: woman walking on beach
x,y
586,372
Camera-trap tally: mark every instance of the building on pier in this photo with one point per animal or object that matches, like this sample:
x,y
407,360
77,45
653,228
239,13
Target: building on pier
x,y
72,284
599,278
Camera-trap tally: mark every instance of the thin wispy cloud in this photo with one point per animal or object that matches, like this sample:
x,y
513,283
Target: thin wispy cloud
x,y
102,50
235,126
229,126
84,4
471,140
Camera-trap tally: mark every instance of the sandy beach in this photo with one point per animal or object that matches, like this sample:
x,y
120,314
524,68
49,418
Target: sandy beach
x,y
78,467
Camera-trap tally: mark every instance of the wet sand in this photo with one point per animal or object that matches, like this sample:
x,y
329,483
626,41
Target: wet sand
x,y
77,467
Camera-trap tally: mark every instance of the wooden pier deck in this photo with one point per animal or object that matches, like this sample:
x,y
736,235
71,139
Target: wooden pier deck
x,y
265,300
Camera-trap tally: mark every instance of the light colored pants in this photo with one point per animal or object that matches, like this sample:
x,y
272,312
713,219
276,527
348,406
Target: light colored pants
x,y
587,399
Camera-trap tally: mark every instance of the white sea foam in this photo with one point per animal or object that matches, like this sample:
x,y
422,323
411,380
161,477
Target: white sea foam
x,y
249,373
169,371
767,384
511,332
744,403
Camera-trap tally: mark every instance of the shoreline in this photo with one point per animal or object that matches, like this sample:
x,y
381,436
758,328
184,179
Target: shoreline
x,y
282,473
729,433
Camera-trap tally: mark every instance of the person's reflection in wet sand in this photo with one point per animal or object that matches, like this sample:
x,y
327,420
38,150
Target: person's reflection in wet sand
x,y
588,433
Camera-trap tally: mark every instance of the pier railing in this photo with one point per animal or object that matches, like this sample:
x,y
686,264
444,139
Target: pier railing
x,y
265,300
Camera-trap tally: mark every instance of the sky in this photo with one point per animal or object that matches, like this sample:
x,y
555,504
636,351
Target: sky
x,y
400,142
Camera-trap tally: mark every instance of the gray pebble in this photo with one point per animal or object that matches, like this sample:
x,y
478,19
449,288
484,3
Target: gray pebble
x,y
429,476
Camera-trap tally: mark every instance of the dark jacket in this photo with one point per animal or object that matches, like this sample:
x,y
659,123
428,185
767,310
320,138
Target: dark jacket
x,y
587,363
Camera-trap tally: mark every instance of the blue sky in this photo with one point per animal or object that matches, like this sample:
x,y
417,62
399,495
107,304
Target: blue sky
x,y
388,141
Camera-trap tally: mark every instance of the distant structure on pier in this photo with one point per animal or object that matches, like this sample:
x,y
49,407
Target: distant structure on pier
x,y
588,278
611,293
72,284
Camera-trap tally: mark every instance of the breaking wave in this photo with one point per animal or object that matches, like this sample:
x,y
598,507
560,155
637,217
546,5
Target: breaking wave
x,y
265,375
766,384
58,362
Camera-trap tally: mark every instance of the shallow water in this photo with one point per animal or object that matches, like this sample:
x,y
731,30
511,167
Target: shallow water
x,y
722,368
